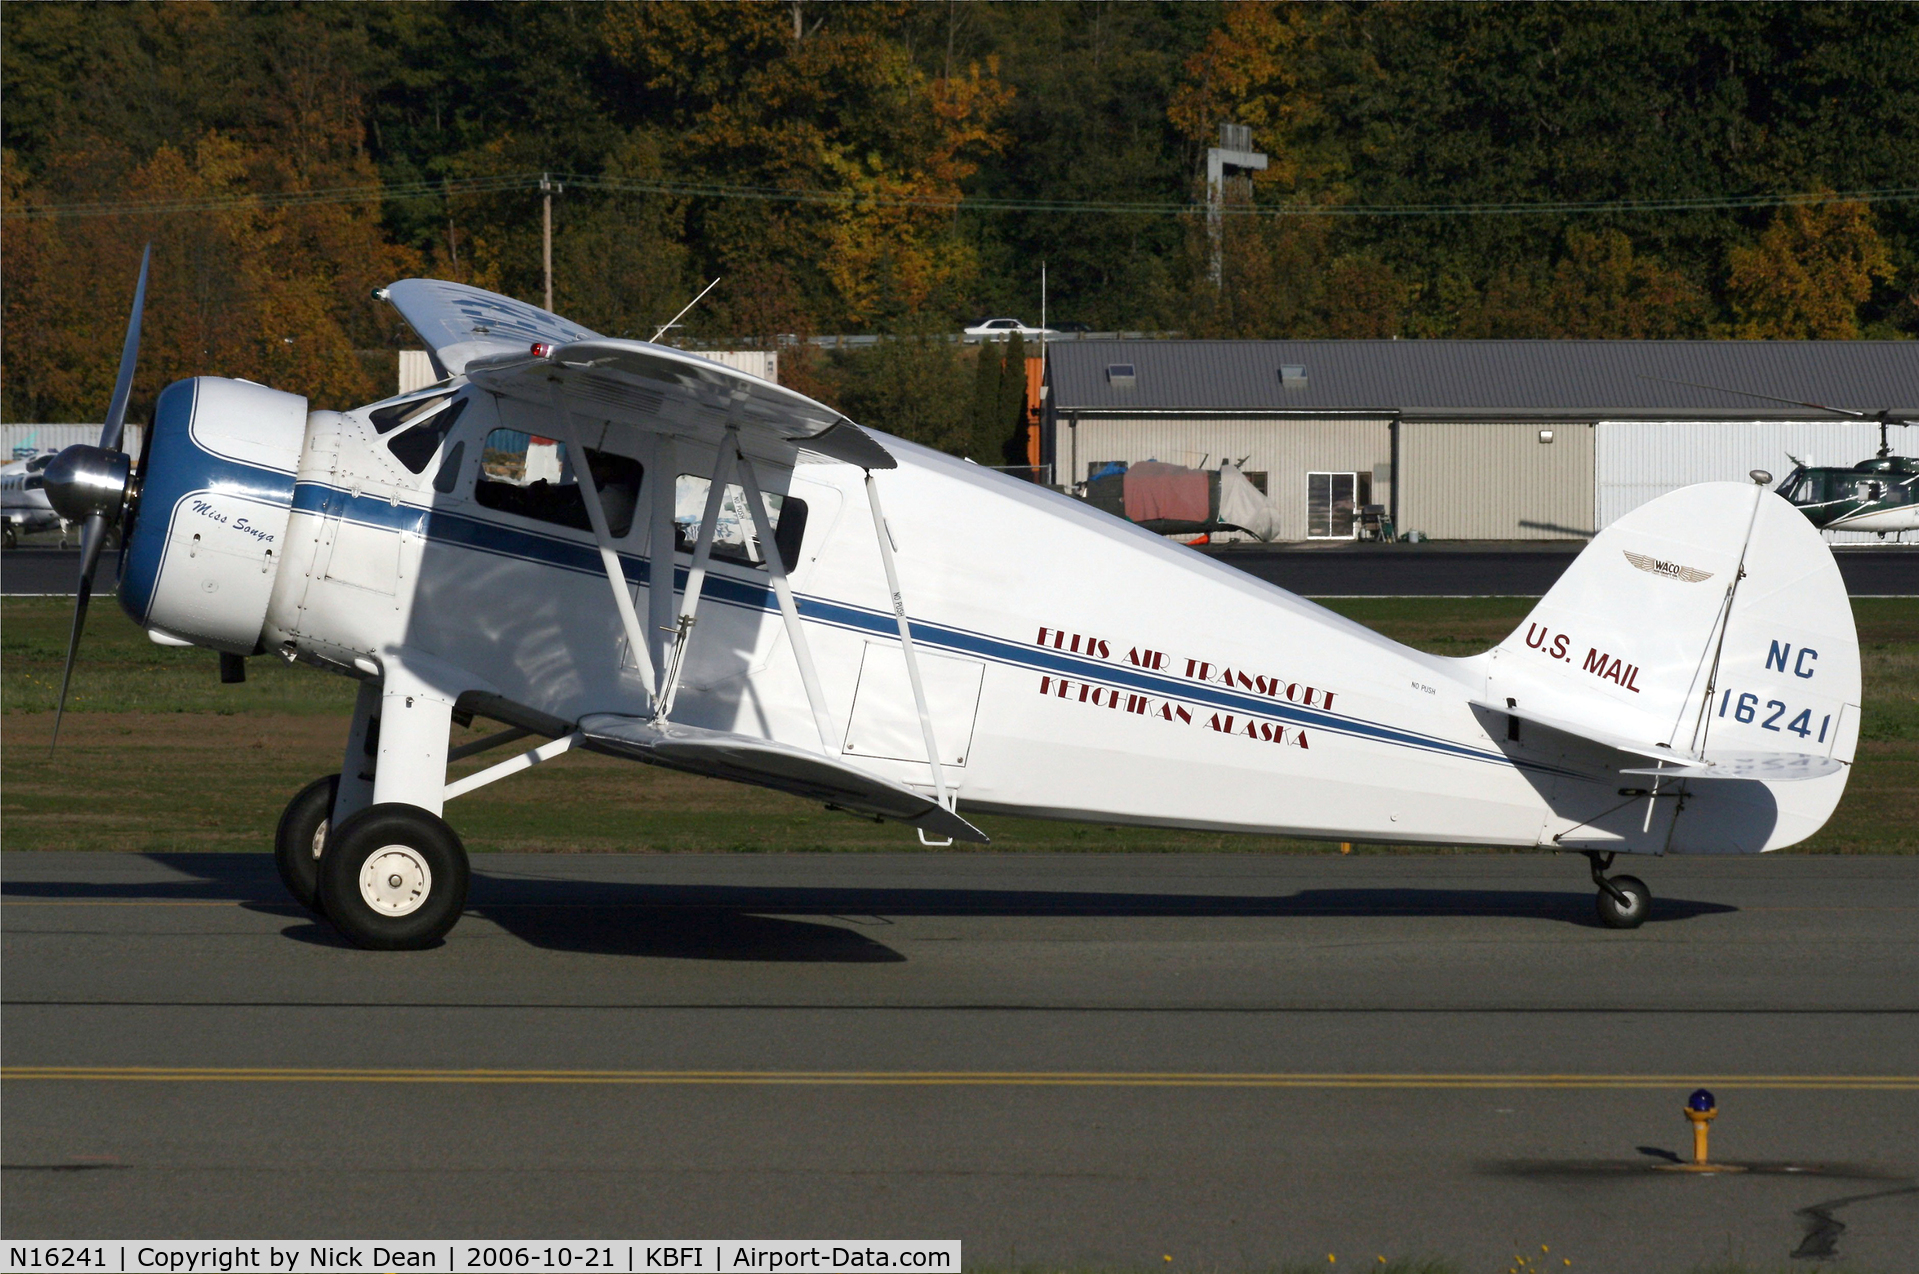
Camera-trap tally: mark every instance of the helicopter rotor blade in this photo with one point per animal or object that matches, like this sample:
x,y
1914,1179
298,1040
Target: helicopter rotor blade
x,y
129,358
1746,393
93,538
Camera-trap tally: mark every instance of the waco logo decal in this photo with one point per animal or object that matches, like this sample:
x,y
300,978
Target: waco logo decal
x,y
1671,570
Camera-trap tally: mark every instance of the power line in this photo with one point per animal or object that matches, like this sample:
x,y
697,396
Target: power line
x,y
530,182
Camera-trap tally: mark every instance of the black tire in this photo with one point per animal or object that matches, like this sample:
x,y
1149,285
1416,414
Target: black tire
x,y
298,840
1614,916
406,902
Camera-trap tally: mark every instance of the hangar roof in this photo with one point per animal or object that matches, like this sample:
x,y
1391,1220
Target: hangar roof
x,y
1487,379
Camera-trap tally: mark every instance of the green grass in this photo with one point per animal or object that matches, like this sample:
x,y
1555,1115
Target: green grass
x,y
157,755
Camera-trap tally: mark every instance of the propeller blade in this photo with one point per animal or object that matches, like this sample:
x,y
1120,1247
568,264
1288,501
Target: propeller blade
x,y
1743,393
93,538
129,356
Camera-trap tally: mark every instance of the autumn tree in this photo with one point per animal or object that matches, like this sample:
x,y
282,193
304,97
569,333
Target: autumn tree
x,y
1808,274
856,152
251,277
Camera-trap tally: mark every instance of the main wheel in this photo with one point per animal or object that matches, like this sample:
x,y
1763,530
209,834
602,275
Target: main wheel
x,y
301,836
1630,916
393,878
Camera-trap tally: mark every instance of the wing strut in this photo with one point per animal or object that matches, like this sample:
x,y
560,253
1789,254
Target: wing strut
x,y
596,514
885,538
776,569
696,574
663,479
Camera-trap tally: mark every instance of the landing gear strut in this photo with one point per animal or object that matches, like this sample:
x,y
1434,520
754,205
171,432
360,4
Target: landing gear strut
x,y
1623,901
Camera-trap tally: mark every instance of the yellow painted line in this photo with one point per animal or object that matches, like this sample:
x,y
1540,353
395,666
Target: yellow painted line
x,y
1031,1079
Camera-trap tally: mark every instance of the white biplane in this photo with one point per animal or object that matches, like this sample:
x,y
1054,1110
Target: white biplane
x,y
619,546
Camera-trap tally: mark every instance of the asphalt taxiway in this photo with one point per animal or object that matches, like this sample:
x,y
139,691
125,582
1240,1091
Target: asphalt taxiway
x,y
1092,1061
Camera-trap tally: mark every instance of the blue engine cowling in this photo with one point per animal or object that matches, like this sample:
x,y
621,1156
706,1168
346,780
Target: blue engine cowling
x,y
209,531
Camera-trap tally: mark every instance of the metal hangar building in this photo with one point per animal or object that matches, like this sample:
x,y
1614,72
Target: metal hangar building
x,y
1470,440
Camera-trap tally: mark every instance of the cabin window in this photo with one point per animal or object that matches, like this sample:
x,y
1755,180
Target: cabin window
x,y
734,536
420,440
533,477
406,412
449,475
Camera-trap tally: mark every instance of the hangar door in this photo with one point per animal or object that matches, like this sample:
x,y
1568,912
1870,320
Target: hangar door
x,y
1469,480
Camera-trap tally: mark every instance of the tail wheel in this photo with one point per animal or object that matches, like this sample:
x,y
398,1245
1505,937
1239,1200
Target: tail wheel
x,y
301,836
1630,914
393,878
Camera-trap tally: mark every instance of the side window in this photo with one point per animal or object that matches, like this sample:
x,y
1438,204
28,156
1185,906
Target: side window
x,y
449,475
533,476
423,423
734,537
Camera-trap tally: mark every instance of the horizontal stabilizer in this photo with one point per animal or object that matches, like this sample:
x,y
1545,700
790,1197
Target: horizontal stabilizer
x,y
1777,767
1770,767
1618,743
765,763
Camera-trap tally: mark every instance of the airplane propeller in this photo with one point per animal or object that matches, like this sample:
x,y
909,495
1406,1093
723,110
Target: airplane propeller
x,y
91,485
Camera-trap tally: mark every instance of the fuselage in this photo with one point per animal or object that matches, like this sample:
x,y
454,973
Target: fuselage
x,y
1880,495
1075,666
23,497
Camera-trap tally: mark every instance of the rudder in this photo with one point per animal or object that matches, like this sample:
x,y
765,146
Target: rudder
x,y
1709,632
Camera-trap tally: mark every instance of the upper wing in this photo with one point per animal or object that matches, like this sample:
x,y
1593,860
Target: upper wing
x,y
670,391
460,324
493,339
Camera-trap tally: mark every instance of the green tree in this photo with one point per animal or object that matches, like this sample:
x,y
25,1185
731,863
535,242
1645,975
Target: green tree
x,y
915,387
988,369
1003,426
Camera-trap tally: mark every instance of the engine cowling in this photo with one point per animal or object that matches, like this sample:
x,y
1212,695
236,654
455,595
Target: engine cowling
x,y
209,530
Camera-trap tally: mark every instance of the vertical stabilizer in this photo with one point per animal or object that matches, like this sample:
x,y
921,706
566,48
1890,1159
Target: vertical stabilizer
x,y
1712,626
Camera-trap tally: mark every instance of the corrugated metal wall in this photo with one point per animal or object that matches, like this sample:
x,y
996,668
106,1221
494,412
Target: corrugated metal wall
x,y
1638,460
60,437
416,370
762,363
1495,481
1285,449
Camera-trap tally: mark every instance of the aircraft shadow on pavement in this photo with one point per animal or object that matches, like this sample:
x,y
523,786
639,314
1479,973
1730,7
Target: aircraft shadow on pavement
x,y
768,923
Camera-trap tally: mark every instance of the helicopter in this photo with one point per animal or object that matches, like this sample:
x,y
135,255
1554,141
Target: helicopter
x,y
1880,494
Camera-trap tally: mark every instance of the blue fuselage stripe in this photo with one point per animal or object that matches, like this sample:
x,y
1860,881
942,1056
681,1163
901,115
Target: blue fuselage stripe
x,y
497,539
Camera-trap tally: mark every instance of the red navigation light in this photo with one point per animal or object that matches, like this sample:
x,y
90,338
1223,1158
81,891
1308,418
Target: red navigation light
x,y
541,349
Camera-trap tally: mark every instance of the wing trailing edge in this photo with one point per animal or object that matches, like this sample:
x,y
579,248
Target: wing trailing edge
x,y
743,758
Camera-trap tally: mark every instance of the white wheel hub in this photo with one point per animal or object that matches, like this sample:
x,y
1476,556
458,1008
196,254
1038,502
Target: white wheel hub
x,y
319,839
395,880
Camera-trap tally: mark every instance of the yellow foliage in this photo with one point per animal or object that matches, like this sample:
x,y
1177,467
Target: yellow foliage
x,y
1808,275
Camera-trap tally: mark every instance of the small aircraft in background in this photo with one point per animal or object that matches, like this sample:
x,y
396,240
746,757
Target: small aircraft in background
x,y
618,546
23,498
1880,494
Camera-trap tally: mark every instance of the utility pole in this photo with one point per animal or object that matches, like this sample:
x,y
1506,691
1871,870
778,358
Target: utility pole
x,y
1234,154
547,189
